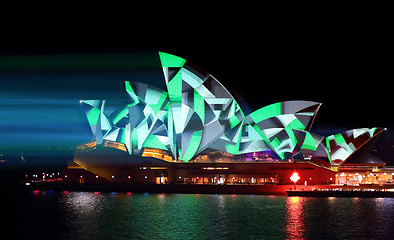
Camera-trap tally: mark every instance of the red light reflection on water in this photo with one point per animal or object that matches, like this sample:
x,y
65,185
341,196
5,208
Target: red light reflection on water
x,y
295,228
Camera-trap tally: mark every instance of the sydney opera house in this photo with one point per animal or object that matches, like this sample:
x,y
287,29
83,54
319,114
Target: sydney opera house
x,y
195,132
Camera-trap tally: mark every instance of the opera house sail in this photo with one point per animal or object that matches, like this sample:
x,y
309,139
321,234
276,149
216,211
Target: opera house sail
x,y
196,115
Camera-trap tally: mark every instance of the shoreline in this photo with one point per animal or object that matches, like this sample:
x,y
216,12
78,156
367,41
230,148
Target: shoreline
x,y
282,190
342,193
164,188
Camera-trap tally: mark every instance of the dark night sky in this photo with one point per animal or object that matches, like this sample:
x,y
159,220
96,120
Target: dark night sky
x,y
346,68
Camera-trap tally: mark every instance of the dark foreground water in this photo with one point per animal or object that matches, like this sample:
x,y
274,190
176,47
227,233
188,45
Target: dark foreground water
x,y
89,215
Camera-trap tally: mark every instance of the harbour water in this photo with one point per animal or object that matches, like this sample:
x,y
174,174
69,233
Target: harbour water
x,y
97,215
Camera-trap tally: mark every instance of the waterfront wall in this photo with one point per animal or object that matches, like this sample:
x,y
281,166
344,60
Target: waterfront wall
x,y
172,188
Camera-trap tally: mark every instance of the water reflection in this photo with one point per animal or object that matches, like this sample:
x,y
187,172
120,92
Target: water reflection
x,y
89,215
82,209
171,216
295,228
82,202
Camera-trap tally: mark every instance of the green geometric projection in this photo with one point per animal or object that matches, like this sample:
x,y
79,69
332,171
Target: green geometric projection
x,y
277,122
196,113
342,145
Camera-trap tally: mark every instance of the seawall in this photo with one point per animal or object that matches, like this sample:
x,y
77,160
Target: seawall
x,y
171,188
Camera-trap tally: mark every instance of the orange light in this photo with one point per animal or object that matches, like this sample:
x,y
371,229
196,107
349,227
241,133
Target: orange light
x,y
294,178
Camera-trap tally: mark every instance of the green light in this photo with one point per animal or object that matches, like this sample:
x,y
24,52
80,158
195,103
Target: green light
x,y
339,139
174,88
93,116
309,142
328,148
197,114
199,106
234,149
193,145
296,124
132,94
156,107
372,131
122,114
266,112
134,138
169,60
262,135
123,139
153,142
290,133
275,143
234,121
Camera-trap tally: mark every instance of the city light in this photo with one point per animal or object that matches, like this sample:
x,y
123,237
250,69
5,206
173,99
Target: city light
x,y
294,178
